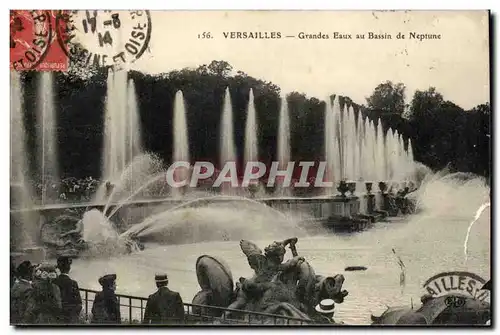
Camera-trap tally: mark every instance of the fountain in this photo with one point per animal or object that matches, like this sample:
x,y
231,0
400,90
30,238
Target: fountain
x,y
122,134
351,145
181,142
227,149
47,136
330,141
283,145
24,231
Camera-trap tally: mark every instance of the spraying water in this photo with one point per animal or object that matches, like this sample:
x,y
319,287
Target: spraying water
x,y
25,229
227,148
181,139
122,139
283,143
47,137
330,139
476,217
251,143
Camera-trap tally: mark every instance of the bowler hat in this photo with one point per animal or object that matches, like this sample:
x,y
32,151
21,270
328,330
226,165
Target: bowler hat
x,y
161,278
325,306
107,280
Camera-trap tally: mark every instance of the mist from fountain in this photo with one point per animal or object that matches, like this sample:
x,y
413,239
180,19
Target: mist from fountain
x,y
24,234
122,134
283,145
46,133
180,140
227,148
217,221
138,172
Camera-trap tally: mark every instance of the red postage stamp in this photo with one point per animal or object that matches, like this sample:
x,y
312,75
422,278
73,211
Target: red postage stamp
x,y
33,43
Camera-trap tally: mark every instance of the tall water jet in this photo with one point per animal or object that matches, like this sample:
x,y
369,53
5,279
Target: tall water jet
x,y
329,145
227,148
380,153
337,142
47,136
283,143
251,144
181,139
24,224
133,126
122,135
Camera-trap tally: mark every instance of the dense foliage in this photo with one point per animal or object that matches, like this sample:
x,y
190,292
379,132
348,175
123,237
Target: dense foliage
x,y
443,134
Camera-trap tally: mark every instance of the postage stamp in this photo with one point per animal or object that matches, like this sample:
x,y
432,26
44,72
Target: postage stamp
x,y
250,168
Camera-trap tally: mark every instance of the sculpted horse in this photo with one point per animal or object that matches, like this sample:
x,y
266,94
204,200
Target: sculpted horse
x,y
289,289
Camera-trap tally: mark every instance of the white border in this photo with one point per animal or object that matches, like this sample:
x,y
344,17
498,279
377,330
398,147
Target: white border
x,y
192,5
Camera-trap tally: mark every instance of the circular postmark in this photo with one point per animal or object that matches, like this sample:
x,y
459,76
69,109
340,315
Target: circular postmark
x,y
30,38
104,38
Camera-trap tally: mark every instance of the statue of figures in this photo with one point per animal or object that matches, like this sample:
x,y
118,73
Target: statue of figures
x,y
288,288
270,266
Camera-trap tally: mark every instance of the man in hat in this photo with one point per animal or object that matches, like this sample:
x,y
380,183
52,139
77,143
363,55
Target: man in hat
x,y
164,306
20,291
325,311
70,293
106,307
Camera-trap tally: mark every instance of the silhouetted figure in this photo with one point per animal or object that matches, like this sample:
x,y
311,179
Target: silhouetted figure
x,y
106,307
20,291
70,293
44,302
164,306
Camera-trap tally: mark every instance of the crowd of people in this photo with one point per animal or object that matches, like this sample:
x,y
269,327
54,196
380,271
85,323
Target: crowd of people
x,y
45,294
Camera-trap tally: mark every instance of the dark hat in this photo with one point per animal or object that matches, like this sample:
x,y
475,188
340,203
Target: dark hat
x,y
64,261
161,278
107,279
24,269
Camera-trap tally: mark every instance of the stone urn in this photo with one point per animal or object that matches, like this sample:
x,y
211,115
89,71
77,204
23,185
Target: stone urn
x,y
351,187
342,188
382,186
368,187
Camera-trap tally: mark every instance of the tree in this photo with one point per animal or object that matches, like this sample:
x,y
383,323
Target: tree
x,y
220,68
425,102
387,98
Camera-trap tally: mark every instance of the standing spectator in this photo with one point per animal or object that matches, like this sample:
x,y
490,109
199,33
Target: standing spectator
x,y
44,301
106,307
164,306
70,293
20,291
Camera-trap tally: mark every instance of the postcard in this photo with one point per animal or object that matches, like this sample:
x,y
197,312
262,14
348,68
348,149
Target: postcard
x,y
250,168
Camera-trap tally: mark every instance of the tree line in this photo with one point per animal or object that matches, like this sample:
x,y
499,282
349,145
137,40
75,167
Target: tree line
x,y
443,134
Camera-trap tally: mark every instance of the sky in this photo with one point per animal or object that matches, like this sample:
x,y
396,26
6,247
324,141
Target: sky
x,y
457,64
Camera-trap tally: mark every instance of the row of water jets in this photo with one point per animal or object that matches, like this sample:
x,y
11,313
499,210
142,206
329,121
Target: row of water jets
x,y
355,149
